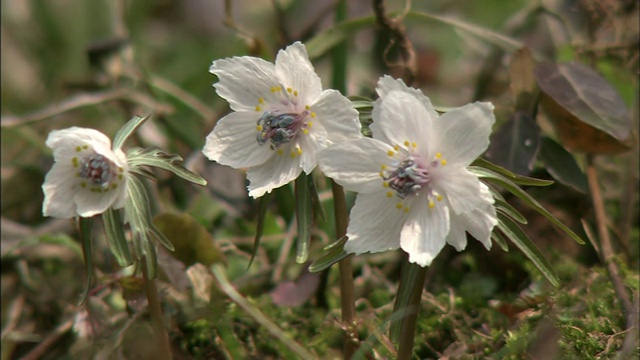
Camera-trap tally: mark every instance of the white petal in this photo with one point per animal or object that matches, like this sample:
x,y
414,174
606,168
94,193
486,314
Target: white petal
x,y
233,141
59,187
387,84
356,165
459,187
402,118
90,203
457,235
337,116
481,221
463,133
278,171
374,224
296,71
311,144
425,232
244,80
65,142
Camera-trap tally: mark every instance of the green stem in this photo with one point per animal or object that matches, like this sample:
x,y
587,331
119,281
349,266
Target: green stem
x,y
413,279
157,323
347,296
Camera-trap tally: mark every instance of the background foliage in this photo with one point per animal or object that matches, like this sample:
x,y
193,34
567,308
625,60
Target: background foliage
x,y
98,63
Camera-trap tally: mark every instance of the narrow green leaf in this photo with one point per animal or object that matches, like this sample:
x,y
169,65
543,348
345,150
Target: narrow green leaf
x,y
510,211
518,179
497,237
156,157
562,165
524,196
85,225
118,245
159,236
138,215
334,252
262,213
520,239
326,40
129,128
504,42
304,216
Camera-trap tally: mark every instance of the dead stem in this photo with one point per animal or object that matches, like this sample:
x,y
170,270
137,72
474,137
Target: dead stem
x,y
605,241
398,35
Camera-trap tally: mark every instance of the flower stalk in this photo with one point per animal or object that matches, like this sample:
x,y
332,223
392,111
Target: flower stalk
x,y
347,293
157,323
413,278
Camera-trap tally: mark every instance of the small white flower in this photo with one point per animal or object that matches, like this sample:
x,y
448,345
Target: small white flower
x,y
414,189
87,177
282,118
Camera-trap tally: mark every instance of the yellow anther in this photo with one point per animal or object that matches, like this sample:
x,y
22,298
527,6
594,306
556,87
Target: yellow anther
x,y
414,145
261,100
293,154
310,124
295,93
279,152
389,193
406,209
259,127
399,206
438,155
258,108
439,197
396,147
299,151
114,186
431,204
383,167
289,90
443,162
120,177
382,174
74,161
307,107
406,143
83,184
85,147
274,89
385,184
121,169
390,153
305,131
78,148
313,115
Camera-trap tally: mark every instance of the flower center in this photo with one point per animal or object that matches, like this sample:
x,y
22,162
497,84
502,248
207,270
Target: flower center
x,y
408,178
283,119
411,175
279,129
97,169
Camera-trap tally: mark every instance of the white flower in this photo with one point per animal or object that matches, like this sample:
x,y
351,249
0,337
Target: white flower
x,y
414,189
87,177
282,118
